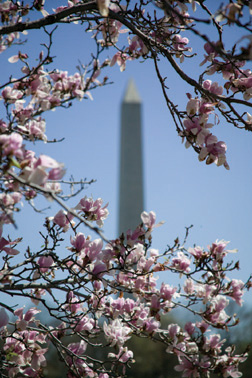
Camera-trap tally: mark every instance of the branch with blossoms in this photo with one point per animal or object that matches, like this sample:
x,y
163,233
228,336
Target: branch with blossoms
x,y
152,40
155,34
101,291
82,283
43,91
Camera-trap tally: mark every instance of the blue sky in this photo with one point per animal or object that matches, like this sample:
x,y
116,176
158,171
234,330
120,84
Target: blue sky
x,y
181,190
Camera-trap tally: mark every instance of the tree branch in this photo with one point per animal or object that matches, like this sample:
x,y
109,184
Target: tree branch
x,y
50,19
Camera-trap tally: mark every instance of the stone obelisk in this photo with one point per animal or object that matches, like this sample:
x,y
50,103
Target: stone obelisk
x,y
131,201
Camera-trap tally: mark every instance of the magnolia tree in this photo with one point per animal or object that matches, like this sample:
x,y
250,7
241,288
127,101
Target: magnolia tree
x,y
103,291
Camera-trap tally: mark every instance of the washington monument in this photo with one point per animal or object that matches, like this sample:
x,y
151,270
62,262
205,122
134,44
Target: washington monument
x,y
131,201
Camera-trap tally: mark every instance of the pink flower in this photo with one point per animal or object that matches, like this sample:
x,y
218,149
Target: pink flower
x,y
192,126
12,145
11,95
181,263
211,53
216,151
15,58
79,242
45,262
47,162
189,367
37,295
173,330
190,328
197,252
218,250
151,325
94,249
214,342
99,269
167,291
202,326
236,290
103,6
25,353
192,106
25,319
93,210
63,219
180,42
189,287
78,349
36,127
73,303
123,355
36,173
213,87
3,126
135,254
85,324
218,306
116,332
120,58
148,219
4,243
136,47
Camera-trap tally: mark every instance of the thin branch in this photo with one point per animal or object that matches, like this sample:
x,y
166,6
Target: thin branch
x,y
52,194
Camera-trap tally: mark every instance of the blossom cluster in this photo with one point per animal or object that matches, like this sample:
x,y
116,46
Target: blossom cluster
x,y
237,79
126,265
196,127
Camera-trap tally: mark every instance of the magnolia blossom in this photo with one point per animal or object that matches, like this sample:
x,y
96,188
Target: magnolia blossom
x,y
25,319
4,243
214,151
181,263
79,242
116,332
149,220
36,128
197,252
36,172
72,303
237,290
103,6
85,324
10,95
167,292
137,47
110,28
124,355
189,367
219,251
78,350
12,145
213,342
45,262
120,59
63,219
192,106
93,210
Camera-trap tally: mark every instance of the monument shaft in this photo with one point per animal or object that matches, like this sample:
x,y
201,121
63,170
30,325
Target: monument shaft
x,y
131,161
